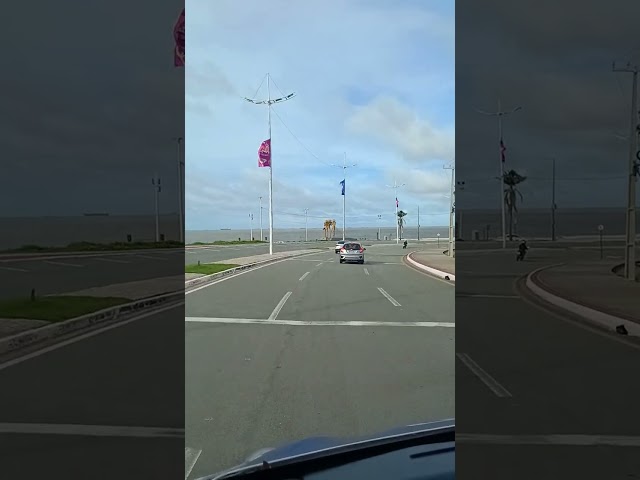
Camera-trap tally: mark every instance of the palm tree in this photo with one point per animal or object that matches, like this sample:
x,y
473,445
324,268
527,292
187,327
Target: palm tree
x,y
401,221
512,179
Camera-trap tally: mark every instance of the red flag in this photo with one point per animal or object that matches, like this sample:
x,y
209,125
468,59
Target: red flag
x,y
264,154
502,150
178,36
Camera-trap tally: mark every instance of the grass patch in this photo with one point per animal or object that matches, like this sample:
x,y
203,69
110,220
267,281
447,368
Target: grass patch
x,y
95,247
232,242
56,309
208,268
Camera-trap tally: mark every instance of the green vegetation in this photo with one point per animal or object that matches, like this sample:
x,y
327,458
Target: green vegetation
x,y
96,247
208,268
232,242
56,308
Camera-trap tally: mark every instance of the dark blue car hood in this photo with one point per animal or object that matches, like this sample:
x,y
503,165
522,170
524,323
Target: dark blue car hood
x,y
313,444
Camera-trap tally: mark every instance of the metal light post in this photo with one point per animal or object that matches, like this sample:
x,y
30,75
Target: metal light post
x,y
251,227
379,221
451,209
418,222
634,155
180,183
501,113
157,188
269,102
261,234
395,187
306,225
344,167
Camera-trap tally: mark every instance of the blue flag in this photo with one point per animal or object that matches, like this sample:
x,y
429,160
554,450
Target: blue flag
x,y
342,183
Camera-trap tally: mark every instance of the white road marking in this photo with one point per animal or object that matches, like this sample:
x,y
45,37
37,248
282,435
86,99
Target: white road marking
x,y
111,260
148,257
487,379
276,310
91,430
304,276
320,264
392,263
14,269
191,456
487,296
63,264
78,338
320,323
389,297
366,271
244,272
553,439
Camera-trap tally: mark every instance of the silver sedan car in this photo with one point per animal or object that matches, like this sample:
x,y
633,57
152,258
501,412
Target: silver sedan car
x,y
352,252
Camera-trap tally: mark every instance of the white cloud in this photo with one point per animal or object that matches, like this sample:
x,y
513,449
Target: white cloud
x,y
353,67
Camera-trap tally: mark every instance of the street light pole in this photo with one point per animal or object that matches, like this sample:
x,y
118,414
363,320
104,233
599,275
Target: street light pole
x,y
306,225
180,183
634,128
269,102
344,167
379,221
451,209
261,234
395,187
251,227
418,222
501,113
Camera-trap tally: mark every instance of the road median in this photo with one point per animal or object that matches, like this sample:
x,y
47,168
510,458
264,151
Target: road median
x,y
540,284
243,264
429,269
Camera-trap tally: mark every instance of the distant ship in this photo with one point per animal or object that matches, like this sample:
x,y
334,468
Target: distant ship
x,y
225,229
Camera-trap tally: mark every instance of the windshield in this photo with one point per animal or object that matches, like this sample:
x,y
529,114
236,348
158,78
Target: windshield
x,y
306,315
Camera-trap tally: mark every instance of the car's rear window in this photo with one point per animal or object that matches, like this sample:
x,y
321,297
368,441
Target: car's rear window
x,y
351,246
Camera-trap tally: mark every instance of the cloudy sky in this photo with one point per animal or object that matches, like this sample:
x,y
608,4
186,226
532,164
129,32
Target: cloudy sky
x,y
372,78
91,102
554,59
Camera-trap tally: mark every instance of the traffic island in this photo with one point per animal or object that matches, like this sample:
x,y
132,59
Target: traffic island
x,y
592,292
434,263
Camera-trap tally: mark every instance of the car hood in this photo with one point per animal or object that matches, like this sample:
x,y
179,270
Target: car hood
x,y
314,444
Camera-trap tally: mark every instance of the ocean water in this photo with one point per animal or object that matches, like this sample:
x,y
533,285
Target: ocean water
x,y
537,223
60,231
298,234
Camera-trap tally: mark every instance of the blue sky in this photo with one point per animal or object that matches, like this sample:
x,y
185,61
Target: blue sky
x,y
373,79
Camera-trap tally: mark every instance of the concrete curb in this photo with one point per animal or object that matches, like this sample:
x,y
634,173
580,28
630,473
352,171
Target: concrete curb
x,y
99,318
438,273
610,322
196,282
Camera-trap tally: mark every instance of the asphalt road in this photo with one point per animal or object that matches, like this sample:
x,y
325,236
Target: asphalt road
x,y
524,374
313,369
129,378
58,274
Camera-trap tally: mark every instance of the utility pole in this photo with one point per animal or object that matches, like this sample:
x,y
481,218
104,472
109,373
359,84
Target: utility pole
x,y
451,209
344,167
379,221
501,149
395,187
269,102
155,181
634,129
306,225
261,234
553,202
460,186
418,222
180,183
251,227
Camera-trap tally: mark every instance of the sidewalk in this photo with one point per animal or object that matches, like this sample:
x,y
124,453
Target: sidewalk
x,y
593,285
435,259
